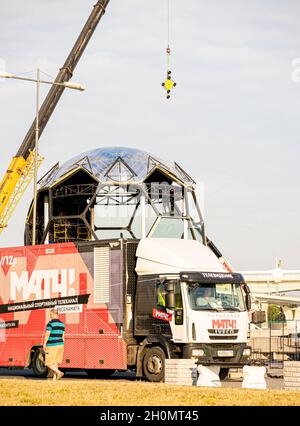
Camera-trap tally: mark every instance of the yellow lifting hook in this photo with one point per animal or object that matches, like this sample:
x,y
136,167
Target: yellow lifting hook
x,y
169,83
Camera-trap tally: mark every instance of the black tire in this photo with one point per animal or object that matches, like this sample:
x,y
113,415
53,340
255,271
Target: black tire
x,y
99,374
154,364
38,363
223,373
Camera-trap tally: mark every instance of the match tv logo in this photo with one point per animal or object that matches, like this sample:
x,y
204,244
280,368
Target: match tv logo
x,y
42,284
223,323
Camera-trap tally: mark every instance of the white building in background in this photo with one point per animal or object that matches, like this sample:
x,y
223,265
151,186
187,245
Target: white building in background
x,y
278,286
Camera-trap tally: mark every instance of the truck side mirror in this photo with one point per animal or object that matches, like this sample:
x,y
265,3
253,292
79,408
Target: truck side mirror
x,y
169,286
170,300
246,289
248,302
170,295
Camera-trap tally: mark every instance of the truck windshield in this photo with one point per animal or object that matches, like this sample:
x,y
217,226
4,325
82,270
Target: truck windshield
x,y
216,297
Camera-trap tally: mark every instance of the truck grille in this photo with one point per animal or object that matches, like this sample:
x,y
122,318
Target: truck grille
x,y
223,337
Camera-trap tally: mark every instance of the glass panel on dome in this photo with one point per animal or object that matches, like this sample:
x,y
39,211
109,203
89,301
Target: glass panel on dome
x,y
184,174
85,162
120,172
150,218
169,228
112,216
107,234
130,164
151,164
168,199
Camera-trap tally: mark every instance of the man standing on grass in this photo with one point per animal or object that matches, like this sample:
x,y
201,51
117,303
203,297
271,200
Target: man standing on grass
x,y
54,344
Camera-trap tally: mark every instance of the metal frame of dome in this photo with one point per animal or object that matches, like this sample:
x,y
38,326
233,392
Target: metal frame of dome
x,y
138,164
158,196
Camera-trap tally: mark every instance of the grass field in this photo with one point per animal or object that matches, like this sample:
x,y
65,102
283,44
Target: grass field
x,y
115,392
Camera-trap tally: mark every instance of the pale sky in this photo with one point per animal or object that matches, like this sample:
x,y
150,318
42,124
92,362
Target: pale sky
x,y
232,122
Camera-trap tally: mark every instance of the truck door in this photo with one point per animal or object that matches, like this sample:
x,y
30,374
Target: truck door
x,y
178,322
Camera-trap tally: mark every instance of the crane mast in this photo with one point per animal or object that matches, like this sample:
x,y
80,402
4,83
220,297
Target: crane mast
x,y
20,172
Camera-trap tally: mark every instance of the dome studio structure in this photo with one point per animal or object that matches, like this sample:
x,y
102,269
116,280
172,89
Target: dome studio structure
x,y
115,193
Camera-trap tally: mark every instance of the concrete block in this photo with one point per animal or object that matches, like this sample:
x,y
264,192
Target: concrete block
x,y
291,388
188,374
254,377
180,372
294,386
291,364
291,384
291,374
208,376
180,361
291,369
292,379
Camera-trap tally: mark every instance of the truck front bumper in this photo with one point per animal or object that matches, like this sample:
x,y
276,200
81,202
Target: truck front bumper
x,y
212,353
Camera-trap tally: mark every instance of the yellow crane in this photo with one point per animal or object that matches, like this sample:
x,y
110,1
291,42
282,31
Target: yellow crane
x,y
17,177
21,170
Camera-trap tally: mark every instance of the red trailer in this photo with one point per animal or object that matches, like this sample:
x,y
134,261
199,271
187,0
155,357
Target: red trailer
x,y
85,282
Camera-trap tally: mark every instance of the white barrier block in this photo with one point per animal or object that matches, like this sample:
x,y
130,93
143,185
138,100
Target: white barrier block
x,y
254,377
209,376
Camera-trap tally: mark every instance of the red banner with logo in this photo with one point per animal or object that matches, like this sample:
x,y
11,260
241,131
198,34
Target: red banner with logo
x,y
162,315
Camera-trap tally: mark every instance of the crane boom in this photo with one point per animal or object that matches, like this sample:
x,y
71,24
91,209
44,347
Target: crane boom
x,y
19,173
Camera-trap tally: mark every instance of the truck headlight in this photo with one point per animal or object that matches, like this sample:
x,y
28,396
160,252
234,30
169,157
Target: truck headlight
x,y
247,352
197,352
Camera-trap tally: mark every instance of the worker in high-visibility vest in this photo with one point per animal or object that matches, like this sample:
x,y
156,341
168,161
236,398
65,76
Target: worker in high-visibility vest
x,y
161,295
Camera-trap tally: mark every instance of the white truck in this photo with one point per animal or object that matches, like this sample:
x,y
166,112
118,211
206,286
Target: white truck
x,y
211,332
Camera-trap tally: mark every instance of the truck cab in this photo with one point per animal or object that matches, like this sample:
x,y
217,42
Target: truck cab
x,y
189,303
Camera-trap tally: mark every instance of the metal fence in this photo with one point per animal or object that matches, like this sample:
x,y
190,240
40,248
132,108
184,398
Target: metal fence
x,y
279,341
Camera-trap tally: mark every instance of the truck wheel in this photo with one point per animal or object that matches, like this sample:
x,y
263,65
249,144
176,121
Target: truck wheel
x,y
154,364
99,374
38,363
223,373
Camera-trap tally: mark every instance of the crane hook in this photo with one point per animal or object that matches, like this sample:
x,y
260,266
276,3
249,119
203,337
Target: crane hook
x,y
168,84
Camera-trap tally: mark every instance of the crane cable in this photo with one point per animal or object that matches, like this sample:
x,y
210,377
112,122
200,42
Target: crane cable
x,y
169,83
